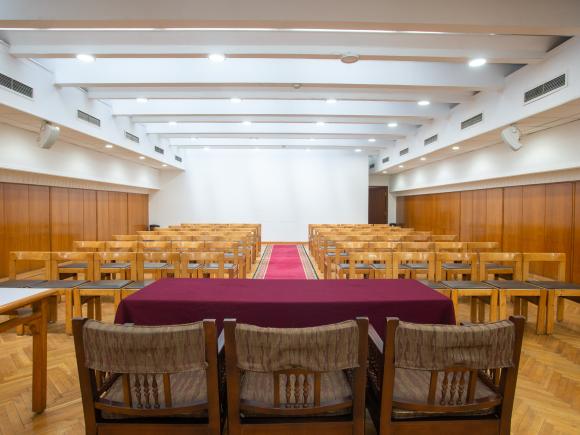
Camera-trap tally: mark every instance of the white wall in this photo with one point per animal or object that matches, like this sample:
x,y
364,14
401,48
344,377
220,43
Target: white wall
x,y
284,190
547,156
21,156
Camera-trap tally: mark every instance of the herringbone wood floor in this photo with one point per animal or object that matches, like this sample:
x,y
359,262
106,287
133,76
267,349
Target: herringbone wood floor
x,y
547,398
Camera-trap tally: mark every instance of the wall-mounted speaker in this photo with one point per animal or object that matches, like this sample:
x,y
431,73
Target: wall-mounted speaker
x,y
511,137
48,135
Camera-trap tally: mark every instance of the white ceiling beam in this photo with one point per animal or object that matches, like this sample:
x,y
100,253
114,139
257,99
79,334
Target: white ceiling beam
x,y
275,142
180,72
408,121
276,107
492,16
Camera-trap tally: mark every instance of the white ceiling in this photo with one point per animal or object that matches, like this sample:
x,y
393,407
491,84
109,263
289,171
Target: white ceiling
x,y
283,71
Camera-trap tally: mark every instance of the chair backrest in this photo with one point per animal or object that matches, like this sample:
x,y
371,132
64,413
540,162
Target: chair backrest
x,y
449,246
417,246
127,237
513,259
148,364
172,258
557,261
482,247
121,246
469,258
296,359
116,257
400,258
443,238
383,246
204,259
187,246
453,358
151,246
88,246
22,258
153,238
59,258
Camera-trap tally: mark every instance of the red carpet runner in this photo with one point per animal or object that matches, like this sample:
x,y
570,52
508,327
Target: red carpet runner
x,y
285,262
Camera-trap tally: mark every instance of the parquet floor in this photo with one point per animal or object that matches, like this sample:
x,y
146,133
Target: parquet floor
x,y
547,398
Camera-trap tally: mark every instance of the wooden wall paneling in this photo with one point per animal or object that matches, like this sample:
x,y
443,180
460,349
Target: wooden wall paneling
x,y
534,219
89,215
452,213
118,213
466,216
479,217
59,215
576,247
494,215
512,219
559,223
3,231
39,221
17,220
401,210
137,212
103,230
76,216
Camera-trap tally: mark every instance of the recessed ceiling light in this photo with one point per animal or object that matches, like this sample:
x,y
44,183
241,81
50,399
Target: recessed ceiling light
x,y
311,139
423,159
455,148
474,63
372,140
423,103
392,125
384,172
320,123
401,166
164,165
236,100
141,100
87,58
358,150
307,150
217,57
172,123
192,138
247,122
349,58
109,146
331,101
206,148
141,157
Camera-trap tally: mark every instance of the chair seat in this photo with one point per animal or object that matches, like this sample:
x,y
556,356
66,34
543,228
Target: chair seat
x,y
186,388
119,265
215,266
333,254
59,283
360,266
456,266
433,284
138,285
412,386
106,284
508,284
73,266
414,266
556,285
468,285
193,266
501,267
149,266
20,283
379,266
259,387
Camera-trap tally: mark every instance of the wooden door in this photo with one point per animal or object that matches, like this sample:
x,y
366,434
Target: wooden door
x,y
378,205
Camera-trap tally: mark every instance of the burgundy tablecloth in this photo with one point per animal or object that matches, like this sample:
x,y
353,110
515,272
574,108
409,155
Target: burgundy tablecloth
x,y
284,303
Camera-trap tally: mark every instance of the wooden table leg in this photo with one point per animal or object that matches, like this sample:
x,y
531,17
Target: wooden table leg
x,y
39,351
542,311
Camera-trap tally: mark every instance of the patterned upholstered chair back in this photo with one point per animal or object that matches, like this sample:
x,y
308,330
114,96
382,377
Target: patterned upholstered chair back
x,y
140,371
298,371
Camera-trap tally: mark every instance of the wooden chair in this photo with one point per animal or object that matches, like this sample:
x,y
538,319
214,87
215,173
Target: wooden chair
x,y
143,390
480,294
235,264
155,238
409,264
383,246
338,255
150,246
187,246
443,238
417,247
449,246
121,246
381,264
444,380
293,381
202,264
88,246
127,238
110,287
557,290
482,247
355,265
455,265
157,264
500,264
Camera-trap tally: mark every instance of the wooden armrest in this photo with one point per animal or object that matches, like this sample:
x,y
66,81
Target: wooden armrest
x,y
375,339
221,342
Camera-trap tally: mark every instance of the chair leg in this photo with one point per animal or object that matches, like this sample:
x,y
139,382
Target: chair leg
x,y
517,305
502,302
524,308
542,308
53,309
91,308
493,306
455,300
560,310
98,308
481,312
77,306
473,303
550,312
68,301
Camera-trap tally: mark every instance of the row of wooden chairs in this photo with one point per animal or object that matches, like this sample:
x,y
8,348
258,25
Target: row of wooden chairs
x,y
297,381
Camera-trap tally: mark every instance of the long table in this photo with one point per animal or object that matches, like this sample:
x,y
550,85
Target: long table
x,y
284,303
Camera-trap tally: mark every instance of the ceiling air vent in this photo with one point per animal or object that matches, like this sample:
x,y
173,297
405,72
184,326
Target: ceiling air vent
x,y
88,118
472,121
430,140
544,89
179,159
404,151
386,159
372,166
159,150
16,86
132,137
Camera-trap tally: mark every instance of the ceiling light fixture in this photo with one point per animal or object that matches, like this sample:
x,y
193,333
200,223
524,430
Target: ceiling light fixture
x,y
331,101
320,123
423,102
311,139
349,58
87,58
392,125
475,63
307,150
236,100
423,159
109,146
372,140
164,165
384,172
141,157
358,150
172,123
141,100
217,57
206,148
247,122
401,166
455,148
